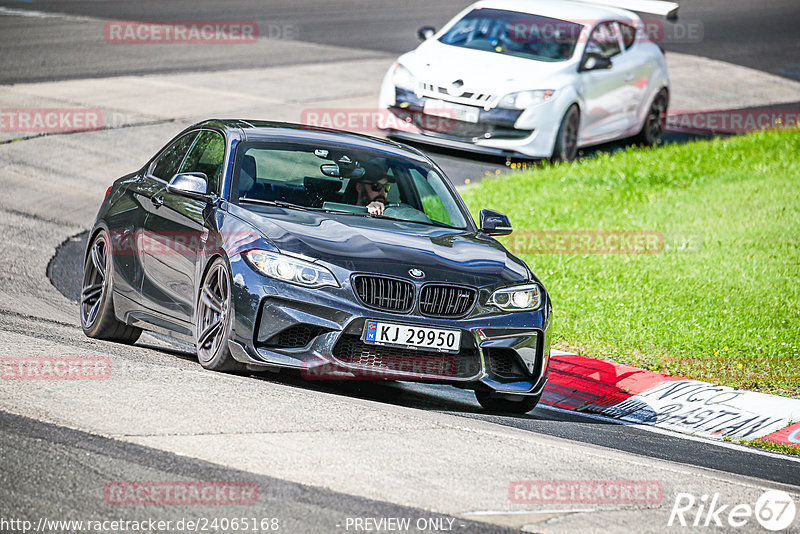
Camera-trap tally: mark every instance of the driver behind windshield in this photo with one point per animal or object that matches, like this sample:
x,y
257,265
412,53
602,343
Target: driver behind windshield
x,y
372,195
371,190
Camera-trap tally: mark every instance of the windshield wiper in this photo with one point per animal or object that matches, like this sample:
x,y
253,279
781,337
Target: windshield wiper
x,y
427,223
278,203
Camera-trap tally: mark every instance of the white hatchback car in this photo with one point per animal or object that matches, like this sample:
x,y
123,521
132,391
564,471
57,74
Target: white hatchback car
x,y
532,79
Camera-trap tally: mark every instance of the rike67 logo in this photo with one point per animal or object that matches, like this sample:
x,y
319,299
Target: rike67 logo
x,y
775,510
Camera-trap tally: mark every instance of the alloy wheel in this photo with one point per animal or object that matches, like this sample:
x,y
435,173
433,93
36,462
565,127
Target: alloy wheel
x,y
212,313
657,119
571,137
95,280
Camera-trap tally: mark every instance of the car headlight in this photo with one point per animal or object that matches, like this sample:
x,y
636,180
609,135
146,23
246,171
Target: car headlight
x,y
289,269
403,79
525,99
517,298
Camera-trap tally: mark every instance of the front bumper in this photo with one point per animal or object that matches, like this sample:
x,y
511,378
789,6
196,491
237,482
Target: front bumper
x,y
497,131
319,333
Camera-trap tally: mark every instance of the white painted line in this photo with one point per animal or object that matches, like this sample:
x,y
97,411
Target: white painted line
x,y
9,11
676,434
525,512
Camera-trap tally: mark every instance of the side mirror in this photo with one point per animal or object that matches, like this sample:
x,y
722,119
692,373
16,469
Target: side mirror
x,y
494,223
426,32
189,184
595,63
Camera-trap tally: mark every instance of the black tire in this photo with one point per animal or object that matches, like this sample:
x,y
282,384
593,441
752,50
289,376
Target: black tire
x,y
655,122
566,147
213,320
98,319
507,403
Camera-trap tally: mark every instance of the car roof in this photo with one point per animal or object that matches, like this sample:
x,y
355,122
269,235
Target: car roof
x,y
260,130
570,11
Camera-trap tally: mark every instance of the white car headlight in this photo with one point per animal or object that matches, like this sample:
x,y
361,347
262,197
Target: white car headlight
x,y
289,269
525,99
517,298
403,79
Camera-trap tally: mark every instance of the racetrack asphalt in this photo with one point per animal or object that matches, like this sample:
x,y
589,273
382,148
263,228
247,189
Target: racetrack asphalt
x,y
759,35
38,458
65,269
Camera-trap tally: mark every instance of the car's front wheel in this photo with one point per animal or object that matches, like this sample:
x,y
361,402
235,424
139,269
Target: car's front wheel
x,y
655,122
495,402
98,319
213,320
566,147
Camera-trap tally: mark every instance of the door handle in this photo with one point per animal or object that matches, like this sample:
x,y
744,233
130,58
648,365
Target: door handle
x,y
158,201
629,77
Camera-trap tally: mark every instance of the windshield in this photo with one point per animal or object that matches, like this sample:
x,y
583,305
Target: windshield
x,y
342,179
515,34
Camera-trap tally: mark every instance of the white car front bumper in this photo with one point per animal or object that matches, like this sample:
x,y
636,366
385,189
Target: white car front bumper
x,y
499,132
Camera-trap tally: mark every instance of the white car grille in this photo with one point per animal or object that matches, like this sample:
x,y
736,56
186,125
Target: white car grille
x,y
468,98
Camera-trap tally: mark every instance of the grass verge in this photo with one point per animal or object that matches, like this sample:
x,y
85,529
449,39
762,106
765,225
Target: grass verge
x,y
703,278
770,446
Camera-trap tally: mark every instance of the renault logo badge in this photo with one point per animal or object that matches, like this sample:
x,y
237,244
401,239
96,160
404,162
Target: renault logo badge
x,y
456,88
416,273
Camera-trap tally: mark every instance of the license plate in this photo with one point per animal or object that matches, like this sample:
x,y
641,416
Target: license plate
x,y
413,337
440,108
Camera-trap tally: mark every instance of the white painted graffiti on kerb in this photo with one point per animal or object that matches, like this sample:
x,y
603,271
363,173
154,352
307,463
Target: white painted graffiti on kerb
x,y
706,409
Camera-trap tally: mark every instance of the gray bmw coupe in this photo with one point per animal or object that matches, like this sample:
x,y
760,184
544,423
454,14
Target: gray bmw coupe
x,y
343,256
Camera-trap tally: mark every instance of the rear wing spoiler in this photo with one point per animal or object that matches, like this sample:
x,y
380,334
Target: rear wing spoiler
x,y
653,7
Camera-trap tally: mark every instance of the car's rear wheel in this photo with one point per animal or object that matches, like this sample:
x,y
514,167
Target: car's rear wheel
x,y
98,319
213,324
566,147
495,402
655,122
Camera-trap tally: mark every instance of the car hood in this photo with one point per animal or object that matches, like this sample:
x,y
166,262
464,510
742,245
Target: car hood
x,y
481,71
384,246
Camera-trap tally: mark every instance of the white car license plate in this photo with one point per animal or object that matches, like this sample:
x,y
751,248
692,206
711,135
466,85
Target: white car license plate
x,y
440,108
412,336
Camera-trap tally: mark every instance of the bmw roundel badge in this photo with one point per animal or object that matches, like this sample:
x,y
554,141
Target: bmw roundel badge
x,y
416,273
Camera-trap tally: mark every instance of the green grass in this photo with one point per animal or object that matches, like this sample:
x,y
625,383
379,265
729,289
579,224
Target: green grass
x,y
770,446
719,302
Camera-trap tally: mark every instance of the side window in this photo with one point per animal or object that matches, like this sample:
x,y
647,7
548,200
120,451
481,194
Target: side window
x,y
168,162
604,41
206,156
432,203
628,34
